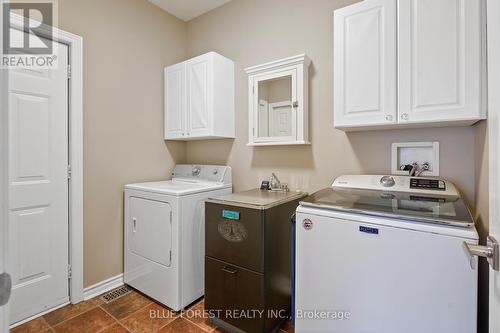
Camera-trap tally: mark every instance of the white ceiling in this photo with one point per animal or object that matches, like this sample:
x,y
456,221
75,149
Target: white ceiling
x,y
188,9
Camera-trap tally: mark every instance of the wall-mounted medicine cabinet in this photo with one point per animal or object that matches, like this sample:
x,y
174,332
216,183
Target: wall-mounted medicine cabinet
x,y
278,102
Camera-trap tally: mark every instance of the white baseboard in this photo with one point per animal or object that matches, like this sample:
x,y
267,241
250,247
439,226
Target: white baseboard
x,y
102,287
88,293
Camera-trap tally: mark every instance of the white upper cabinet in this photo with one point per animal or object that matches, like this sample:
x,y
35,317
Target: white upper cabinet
x,y
199,98
437,77
365,64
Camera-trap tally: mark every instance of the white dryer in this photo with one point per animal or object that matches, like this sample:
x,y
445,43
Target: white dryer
x,y
165,233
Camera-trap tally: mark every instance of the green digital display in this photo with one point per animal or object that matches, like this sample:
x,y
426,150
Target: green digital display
x,y
227,214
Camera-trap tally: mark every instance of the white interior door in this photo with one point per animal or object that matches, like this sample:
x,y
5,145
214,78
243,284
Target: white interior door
x,y
38,187
3,178
494,148
280,119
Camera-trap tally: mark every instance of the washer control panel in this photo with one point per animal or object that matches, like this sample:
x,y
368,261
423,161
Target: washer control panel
x,y
203,173
387,181
393,183
427,184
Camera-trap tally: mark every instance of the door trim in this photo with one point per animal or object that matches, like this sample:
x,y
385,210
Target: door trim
x,y
4,313
75,127
493,14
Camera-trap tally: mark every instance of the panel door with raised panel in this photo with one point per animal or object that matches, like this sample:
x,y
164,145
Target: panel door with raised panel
x,y
199,95
175,101
365,64
440,59
38,187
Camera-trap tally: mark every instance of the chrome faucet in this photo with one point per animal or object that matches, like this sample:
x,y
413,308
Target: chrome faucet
x,y
276,185
275,182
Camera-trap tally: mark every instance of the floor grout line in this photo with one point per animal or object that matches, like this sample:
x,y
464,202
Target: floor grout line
x,y
113,317
170,322
175,316
66,319
192,322
133,313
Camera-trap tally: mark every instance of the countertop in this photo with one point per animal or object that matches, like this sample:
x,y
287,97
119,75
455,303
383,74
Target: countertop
x,y
258,199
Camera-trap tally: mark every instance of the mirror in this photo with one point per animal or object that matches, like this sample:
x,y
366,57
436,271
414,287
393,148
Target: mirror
x,y
277,102
275,107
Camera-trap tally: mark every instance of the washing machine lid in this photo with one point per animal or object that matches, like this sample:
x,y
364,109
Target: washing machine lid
x,y
177,187
413,205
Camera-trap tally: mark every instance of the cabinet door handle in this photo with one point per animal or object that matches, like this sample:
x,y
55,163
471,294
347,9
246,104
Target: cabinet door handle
x,y
388,117
230,270
295,104
404,116
134,221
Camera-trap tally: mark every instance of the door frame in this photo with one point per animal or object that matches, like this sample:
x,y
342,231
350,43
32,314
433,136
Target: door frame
x,y
75,144
493,12
4,313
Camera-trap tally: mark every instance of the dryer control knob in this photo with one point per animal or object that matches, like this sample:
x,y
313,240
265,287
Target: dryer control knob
x,y
387,181
196,171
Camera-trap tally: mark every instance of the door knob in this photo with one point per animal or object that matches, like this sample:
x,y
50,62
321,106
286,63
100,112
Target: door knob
x,y
388,117
5,288
490,251
404,116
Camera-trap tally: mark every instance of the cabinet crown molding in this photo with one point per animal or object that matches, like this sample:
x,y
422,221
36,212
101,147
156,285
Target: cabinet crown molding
x,y
290,61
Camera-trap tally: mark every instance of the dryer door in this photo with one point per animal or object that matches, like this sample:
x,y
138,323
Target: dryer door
x,y
150,225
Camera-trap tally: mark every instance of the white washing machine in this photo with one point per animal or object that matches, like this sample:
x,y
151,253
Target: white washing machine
x,y
385,254
165,233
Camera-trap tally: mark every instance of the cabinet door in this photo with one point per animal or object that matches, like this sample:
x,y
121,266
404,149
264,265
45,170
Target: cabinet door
x,y
440,59
365,64
175,101
276,107
199,101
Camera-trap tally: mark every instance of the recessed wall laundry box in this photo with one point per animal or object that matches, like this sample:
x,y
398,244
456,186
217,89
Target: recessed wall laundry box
x,y
199,98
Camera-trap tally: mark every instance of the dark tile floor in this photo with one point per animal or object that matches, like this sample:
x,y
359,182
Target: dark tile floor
x,y
132,313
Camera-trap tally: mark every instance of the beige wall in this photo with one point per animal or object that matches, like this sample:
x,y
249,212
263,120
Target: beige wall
x,y
251,32
126,45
